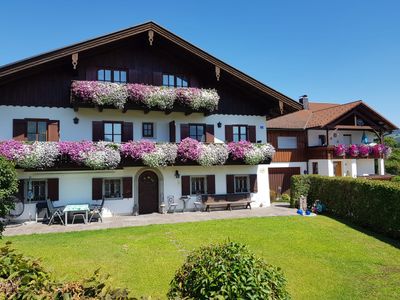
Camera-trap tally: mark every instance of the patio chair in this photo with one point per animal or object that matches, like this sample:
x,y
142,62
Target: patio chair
x,y
198,204
95,211
79,215
171,204
54,212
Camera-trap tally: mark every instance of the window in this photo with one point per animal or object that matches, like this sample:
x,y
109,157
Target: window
x,y
241,184
197,132
112,132
198,185
239,133
287,142
118,76
148,130
112,188
322,140
315,168
175,81
37,190
37,131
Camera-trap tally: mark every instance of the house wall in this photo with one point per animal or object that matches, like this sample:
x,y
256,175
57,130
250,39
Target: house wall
x,y
75,187
355,134
83,131
365,166
302,165
350,167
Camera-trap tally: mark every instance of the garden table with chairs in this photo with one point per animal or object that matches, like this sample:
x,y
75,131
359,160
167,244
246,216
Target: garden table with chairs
x,y
81,210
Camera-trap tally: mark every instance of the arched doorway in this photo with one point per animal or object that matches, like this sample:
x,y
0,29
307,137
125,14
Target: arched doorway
x,y
148,192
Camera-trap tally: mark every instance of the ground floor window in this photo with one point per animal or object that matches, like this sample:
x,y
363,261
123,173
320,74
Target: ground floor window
x,y
198,185
315,168
241,184
37,190
112,188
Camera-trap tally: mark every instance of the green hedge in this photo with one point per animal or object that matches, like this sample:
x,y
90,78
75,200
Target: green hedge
x,y
370,203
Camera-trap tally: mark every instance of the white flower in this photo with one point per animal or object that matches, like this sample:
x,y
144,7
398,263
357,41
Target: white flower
x,y
213,154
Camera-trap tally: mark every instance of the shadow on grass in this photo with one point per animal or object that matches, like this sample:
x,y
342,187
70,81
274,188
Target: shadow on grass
x,y
379,236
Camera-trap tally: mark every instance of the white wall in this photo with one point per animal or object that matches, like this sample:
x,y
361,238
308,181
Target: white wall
x,y
365,166
83,131
75,187
324,167
301,165
356,136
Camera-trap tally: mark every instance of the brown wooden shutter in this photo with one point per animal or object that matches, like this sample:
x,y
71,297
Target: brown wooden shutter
x,y
251,133
53,130
157,79
91,73
127,187
194,82
172,132
19,130
98,131
210,184
185,185
209,133
230,185
97,188
184,131
228,133
127,132
52,189
253,183
21,189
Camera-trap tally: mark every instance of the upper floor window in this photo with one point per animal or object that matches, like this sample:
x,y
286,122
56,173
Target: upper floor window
x,y
198,185
241,184
175,81
197,132
322,140
287,142
148,130
37,131
239,133
113,132
118,76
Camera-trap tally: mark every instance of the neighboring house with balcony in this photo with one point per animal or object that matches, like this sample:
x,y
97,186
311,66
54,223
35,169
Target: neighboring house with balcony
x,y
327,139
142,83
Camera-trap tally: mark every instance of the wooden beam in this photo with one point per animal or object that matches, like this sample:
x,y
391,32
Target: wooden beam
x,y
188,112
168,111
146,111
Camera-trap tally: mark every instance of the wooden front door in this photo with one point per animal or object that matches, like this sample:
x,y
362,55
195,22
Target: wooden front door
x,y
148,192
337,168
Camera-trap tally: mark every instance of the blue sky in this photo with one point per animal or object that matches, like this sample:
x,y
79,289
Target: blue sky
x,y
334,51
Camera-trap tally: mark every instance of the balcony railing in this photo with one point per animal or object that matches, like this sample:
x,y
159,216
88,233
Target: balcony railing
x,y
349,151
103,155
143,97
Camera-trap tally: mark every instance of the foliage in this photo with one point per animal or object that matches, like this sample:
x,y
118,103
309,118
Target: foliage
x,y
285,198
25,278
369,203
8,187
164,98
392,164
363,150
105,155
299,186
227,271
396,179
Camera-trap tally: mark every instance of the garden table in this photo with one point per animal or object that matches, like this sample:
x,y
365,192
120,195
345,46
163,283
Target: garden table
x,y
76,208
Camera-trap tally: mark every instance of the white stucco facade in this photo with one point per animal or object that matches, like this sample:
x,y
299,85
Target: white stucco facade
x,y
336,137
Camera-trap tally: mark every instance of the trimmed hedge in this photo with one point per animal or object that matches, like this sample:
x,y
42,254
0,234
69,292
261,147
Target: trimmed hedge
x,y
369,203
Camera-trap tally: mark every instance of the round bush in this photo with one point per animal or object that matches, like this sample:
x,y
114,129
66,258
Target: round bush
x,y
227,271
285,198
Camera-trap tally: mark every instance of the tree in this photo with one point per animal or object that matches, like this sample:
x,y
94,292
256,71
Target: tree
x,y
392,164
8,187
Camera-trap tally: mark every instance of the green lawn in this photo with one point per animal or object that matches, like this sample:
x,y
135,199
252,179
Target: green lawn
x,y
321,257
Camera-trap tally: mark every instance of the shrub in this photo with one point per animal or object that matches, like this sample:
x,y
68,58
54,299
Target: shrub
x,y
8,187
227,271
285,198
396,179
25,278
370,203
299,185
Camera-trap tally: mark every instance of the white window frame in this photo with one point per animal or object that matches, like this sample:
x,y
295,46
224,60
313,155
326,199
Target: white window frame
x,y
205,183
120,187
247,181
288,143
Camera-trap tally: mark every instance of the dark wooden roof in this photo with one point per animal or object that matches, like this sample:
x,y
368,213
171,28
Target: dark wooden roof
x,y
122,34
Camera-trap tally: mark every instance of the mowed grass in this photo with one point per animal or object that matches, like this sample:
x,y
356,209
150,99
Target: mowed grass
x,y
321,257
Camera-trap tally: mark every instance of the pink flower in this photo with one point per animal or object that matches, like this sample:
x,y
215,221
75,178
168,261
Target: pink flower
x,y
340,150
238,150
363,150
353,150
136,150
189,150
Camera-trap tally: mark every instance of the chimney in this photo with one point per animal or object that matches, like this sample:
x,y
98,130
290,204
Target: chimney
x,y
304,100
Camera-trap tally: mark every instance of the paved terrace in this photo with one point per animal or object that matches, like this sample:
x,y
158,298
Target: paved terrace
x,y
277,209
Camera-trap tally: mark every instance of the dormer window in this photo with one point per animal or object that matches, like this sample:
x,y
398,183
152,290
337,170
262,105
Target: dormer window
x,y
175,81
109,75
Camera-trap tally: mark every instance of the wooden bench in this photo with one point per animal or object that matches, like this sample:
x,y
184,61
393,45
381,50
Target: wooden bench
x,y
226,201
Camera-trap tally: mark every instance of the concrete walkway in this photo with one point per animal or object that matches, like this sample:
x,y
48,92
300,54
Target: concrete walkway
x,y
276,209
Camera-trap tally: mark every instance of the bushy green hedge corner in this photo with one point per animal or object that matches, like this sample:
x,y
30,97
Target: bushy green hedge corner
x,y
370,203
8,187
227,271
